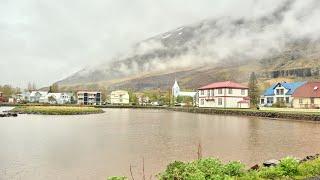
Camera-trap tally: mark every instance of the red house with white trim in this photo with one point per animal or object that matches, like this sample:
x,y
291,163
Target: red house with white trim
x,y
226,94
2,99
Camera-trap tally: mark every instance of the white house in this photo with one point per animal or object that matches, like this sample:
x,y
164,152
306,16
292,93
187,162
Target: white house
x,y
280,92
119,97
38,96
226,94
23,97
89,97
58,98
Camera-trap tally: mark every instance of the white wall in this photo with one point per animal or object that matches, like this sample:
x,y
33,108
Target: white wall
x,y
227,99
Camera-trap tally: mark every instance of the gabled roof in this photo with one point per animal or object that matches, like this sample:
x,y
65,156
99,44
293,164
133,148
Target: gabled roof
x,y
308,90
42,93
225,84
290,86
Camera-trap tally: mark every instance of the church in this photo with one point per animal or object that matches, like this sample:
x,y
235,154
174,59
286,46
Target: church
x,y
176,91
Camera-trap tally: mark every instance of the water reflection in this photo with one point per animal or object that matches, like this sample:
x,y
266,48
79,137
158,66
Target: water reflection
x,y
97,146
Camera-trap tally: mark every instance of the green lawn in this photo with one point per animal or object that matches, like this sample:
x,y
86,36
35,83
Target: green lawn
x,y
56,110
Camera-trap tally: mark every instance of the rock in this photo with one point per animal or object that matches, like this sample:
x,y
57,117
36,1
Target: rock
x,y
271,162
255,167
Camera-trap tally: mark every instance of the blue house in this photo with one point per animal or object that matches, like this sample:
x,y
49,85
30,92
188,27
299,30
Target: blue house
x,y
280,92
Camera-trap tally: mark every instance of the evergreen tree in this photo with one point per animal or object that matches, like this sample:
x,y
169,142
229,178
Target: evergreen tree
x,y
54,88
253,89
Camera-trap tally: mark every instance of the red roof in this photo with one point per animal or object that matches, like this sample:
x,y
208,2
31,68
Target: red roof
x,y
226,84
308,90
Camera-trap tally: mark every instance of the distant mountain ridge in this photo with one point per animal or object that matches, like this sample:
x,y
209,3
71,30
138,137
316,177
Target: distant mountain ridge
x,y
212,50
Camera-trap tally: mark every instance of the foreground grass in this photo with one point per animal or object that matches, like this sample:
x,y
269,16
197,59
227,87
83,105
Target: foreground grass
x,y
212,169
56,110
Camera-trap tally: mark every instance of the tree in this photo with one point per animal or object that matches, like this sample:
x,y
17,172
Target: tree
x,y
52,100
104,94
54,88
253,89
132,97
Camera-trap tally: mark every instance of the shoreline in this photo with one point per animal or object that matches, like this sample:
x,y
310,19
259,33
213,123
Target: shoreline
x,y
286,115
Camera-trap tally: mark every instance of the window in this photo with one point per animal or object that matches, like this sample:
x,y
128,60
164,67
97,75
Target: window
x,y
202,92
270,100
312,100
287,100
281,91
219,101
300,101
219,91
208,92
212,92
280,99
243,92
230,91
202,101
262,101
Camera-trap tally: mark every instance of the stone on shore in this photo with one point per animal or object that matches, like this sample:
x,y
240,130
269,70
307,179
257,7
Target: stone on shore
x,y
271,162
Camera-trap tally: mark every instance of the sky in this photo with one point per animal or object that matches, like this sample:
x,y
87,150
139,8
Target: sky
x,y
43,41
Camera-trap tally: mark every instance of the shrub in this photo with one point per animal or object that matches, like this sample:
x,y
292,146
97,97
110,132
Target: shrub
x,y
174,170
289,166
117,178
213,169
234,169
309,168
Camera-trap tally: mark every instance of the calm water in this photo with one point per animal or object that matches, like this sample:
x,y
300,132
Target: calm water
x,y
97,146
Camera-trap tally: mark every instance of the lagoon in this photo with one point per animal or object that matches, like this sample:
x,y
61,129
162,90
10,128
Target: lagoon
x,y
100,145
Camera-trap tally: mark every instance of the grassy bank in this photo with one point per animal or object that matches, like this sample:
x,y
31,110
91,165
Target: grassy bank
x,y
210,168
56,110
269,113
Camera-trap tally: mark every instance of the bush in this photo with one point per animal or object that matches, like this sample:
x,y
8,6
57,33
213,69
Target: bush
x,y
310,168
213,169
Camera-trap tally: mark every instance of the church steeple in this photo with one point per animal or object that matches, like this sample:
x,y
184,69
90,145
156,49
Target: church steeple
x,y
175,89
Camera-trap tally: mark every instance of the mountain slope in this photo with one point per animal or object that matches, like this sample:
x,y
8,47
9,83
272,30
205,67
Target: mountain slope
x,y
280,44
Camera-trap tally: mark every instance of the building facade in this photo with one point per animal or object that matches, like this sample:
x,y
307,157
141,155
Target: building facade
x,y
226,94
119,97
38,96
89,98
2,99
58,98
280,93
177,92
307,96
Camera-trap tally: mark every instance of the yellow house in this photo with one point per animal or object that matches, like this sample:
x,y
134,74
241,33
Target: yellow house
x,y
307,96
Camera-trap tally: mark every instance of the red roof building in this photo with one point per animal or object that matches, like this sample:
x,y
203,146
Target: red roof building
x,y
226,94
2,99
225,84
307,96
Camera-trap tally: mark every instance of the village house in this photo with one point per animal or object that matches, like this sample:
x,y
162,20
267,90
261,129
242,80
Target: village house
x,y
280,93
58,98
226,94
38,96
119,97
2,98
307,96
23,97
142,99
89,98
